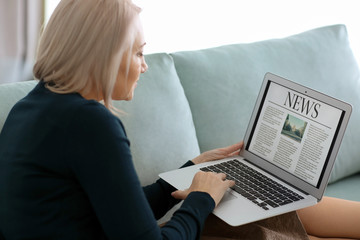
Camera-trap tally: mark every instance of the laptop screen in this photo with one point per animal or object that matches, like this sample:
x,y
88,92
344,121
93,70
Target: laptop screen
x,y
294,132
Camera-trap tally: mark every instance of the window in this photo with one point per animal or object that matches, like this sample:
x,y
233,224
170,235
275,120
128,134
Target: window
x,y
175,25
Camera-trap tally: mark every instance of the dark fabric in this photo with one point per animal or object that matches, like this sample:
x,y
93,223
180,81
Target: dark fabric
x,y
158,196
283,227
66,172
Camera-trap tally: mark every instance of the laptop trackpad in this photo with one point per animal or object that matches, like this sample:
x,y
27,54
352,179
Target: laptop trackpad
x,y
228,196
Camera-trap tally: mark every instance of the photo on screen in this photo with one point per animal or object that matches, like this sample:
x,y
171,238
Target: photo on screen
x,y
294,128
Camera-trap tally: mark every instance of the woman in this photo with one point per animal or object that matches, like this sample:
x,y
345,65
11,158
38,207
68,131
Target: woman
x,y
73,176
70,175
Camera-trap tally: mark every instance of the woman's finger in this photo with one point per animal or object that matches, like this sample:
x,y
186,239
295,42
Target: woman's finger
x,y
231,183
222,176
235,147
234,153
180,194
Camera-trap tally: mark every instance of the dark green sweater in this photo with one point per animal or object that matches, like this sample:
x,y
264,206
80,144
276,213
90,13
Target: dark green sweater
x,y
66,172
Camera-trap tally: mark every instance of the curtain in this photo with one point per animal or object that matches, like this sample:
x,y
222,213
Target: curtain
x,y
20,24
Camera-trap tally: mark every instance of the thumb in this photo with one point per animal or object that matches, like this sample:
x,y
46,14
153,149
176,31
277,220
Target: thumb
x,y
180,194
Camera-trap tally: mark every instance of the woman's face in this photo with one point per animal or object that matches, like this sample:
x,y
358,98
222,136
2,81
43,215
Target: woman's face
x,y
126,84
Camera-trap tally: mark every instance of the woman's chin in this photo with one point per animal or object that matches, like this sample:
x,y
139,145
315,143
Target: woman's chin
x,y
128,97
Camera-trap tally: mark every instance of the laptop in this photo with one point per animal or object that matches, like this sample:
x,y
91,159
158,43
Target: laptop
x,y
290,147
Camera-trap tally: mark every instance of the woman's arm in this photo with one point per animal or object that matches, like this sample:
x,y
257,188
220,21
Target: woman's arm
x,y
159,193
101,161
159,196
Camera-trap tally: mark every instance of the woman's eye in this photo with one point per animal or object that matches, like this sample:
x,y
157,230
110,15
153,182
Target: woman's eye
x,y
140,54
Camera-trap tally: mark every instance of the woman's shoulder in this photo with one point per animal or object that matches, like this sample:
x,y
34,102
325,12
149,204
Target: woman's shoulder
x,y
92,113
72,110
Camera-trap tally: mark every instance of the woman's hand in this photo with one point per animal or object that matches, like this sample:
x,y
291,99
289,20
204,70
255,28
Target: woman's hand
x,y
212,183
219,153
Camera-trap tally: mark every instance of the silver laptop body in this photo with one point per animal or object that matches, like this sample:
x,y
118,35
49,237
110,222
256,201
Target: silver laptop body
x,y
290,146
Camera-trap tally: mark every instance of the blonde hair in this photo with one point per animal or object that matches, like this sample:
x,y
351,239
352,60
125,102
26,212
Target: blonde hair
x,y
83,45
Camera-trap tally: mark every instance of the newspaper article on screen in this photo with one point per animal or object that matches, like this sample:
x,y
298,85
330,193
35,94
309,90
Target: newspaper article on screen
x,y
295,132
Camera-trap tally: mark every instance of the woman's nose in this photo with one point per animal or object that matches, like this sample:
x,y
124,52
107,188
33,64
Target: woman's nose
x,y
144,66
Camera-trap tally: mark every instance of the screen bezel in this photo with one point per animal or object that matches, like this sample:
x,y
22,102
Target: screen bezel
x,y
316,191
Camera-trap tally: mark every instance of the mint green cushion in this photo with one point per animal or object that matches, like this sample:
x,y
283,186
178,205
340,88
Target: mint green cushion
x,y
158,121
222,84
347,188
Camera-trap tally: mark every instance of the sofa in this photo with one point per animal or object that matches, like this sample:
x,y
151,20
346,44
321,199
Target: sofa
x,y
193,101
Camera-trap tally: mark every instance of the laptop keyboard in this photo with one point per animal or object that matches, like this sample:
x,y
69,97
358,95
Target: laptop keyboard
x,y
253,185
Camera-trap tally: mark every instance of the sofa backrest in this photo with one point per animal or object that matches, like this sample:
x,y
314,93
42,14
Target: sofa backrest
x,y
221,84
158,121
205,98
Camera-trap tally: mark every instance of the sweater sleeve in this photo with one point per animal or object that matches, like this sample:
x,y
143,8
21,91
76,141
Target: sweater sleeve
x,y
159,196
99,156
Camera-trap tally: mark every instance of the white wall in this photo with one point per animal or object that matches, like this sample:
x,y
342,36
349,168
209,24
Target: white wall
x,y
174,25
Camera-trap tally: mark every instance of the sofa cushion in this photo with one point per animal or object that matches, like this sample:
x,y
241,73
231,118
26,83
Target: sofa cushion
x,y
158,121
222,84
345,188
